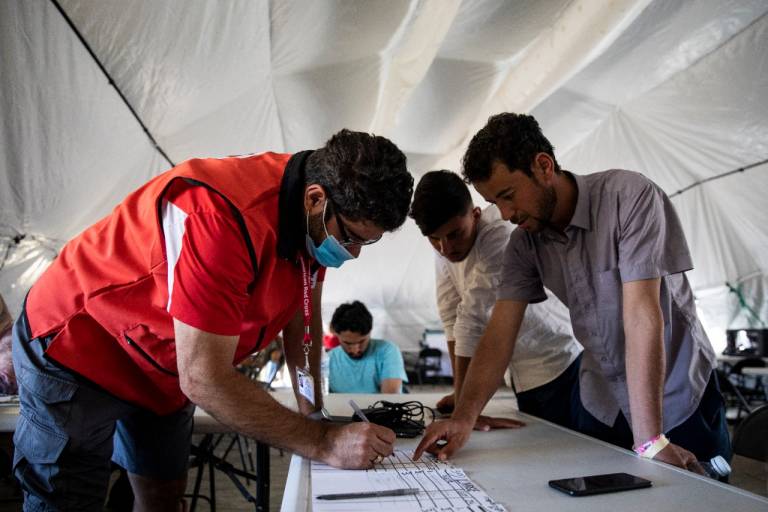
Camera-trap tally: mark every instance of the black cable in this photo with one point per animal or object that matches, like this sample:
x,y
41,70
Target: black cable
x,y
406,419
723,175
112,82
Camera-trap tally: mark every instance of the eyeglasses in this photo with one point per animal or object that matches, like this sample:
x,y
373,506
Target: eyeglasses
x,y
348,238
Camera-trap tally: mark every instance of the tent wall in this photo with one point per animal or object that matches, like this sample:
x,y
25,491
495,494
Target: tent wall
x,y
675,90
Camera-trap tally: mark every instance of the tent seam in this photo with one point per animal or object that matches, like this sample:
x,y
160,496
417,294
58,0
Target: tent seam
x,y
93,55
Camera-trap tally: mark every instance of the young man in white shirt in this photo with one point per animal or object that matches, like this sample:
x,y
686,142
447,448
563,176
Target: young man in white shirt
x,y
470,245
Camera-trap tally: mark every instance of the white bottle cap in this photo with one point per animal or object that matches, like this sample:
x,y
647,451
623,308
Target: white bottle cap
x,y
720,465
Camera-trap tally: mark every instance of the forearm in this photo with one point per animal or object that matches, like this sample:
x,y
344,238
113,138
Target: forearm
x,y
315,356
459,374
485,371
490,360
305,407
645,367
452,357
391,386
240,404
316,353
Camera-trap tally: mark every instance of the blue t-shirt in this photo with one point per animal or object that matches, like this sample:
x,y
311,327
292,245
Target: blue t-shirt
x,y
382,360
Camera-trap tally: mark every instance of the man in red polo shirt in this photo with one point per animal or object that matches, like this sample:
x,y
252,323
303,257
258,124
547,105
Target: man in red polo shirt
x,y
146,313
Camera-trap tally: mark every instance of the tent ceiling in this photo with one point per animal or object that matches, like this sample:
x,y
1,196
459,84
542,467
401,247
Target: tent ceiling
x,y
672,89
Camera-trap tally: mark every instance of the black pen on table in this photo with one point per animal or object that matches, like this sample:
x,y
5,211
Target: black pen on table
x,y
368,494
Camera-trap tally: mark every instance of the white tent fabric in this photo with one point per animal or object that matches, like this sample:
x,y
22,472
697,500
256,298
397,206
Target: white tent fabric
x,y
676,90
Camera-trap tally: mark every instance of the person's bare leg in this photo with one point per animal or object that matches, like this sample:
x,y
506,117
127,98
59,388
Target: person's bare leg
x,y
153,495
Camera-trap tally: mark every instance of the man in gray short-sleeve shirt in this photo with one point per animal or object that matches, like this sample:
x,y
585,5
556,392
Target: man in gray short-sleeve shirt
x,y
610,246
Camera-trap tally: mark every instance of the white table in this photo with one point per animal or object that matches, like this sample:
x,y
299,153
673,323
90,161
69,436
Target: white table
x,y
9,415
756,371
760,373
731,360
204,422
514,466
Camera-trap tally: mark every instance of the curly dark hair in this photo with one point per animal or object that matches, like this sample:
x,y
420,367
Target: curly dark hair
x,y
439,197
365,176
353,317
512,139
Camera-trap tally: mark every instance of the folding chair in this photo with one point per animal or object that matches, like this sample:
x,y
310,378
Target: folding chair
x,y
750,439
204,456
429,365
750,386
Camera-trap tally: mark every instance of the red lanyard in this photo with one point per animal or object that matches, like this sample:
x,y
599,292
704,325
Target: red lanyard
x,y
306,308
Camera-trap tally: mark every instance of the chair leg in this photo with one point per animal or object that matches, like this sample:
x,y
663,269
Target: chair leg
x,y
212,483
743,402
251,466
206,445
262,470
205,456
230,446
242,456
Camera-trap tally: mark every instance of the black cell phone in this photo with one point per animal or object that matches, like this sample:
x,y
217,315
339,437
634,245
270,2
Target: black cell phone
x,y
599,484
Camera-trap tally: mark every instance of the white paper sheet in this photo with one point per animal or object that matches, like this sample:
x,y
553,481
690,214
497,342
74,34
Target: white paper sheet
x,y
442,486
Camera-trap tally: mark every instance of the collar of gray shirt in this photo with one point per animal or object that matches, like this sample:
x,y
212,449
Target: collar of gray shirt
x,y
582,219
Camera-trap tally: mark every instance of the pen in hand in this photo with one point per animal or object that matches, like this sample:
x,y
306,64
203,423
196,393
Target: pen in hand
x,y
379,457
358,411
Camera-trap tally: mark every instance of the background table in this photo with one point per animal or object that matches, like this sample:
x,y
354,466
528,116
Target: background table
x,y
204,456
757,371
731,360
514,466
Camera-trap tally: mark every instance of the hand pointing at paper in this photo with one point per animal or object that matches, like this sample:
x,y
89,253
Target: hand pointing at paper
x,y
444,438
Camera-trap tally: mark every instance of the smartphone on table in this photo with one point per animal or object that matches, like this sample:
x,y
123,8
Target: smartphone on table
x,y
599,484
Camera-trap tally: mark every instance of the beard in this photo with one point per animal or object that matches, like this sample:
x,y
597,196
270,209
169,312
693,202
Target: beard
x,y
545,208
546,204
316,228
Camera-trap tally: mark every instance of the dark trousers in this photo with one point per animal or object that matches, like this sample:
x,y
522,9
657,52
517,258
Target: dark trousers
x,y
69,429
556,401
704,433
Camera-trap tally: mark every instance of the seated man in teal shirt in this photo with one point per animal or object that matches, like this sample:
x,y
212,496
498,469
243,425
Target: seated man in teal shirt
x,y
361,364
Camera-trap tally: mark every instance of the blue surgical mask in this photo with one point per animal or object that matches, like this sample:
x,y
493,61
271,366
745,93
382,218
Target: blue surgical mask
x,y
330,253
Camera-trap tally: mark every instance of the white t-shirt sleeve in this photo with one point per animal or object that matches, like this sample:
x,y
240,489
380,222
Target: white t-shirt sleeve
x,y
448,297
481,281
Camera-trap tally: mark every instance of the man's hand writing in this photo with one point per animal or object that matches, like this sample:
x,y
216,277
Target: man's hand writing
x,y
357,445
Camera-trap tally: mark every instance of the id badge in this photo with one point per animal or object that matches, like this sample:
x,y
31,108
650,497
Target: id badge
x,y
306,385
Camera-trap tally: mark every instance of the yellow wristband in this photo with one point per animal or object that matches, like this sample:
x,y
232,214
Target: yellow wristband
x,y
655,447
